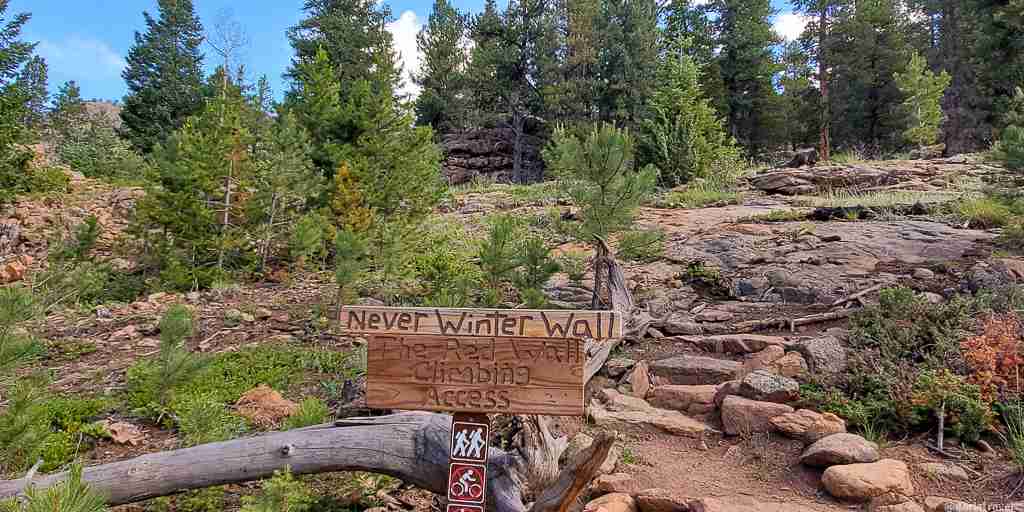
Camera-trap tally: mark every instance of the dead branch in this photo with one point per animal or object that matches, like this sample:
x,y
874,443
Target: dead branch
x,y
790,323
858,295
412,447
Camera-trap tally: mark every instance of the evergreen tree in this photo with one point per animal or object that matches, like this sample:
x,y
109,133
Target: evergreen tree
x,y
598,172
486,33
816,39
627,60
747,65
14,53
923,91
800,103
164,75
683,137
354,35
441,102
68,107
1000,54
869,46
571,95
33,82
192,217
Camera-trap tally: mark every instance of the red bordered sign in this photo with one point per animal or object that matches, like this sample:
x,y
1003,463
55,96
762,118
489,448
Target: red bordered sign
x,y
461,507
467,483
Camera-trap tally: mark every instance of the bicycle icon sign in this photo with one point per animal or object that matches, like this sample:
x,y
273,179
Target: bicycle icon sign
x,y
458,507
466,483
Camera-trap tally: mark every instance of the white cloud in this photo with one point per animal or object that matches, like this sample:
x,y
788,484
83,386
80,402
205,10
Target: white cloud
x,y
403,31
81,55
790,25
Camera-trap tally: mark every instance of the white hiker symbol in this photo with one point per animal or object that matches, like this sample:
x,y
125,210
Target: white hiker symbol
x,y
469,445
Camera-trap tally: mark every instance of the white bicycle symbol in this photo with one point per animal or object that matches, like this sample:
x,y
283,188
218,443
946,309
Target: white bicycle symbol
x,y
467,486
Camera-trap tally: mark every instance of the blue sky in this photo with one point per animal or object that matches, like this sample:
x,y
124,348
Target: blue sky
x,y
87,40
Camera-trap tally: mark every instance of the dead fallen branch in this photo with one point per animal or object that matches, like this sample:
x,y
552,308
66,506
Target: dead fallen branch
x,y
412,447
788,323
858,295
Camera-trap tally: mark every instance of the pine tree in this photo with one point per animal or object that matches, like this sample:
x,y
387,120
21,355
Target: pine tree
x,y
194,215
441,102
683,137
800,103
747,65
353,34
627,60
164,75
486,33
923,91
14,53
285,179
33,82
599,173
68,107
817,39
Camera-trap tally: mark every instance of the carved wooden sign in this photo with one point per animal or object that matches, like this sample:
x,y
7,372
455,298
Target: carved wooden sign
x,y
520,323
477,360
487,374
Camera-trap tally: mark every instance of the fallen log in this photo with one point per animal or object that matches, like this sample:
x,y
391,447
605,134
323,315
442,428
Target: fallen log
x,y
412,447
788,323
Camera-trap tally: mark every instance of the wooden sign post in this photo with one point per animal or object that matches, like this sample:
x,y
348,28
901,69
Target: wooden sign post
x,y
473,362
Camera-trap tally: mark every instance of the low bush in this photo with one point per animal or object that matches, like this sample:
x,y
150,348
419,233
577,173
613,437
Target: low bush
x,y
699,196
1013,418
911,360
202,419
151,384
574,264
282,493
985,212
643,246
312,411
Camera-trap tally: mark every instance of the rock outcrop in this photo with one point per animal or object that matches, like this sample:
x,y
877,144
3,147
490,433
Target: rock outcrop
x,y
489,153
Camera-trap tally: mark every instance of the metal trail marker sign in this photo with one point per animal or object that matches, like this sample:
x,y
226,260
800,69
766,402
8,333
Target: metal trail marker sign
x,y
472,362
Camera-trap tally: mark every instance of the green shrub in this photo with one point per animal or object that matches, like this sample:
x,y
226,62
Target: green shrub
x,y
350,262
1013,417
69,495
17,305
309,239
445,269
942,392
312,411
574,264
985,212
202,419
282,493
535,269
700,196
642,246
23,426
498,257
92,147
81,244
210,499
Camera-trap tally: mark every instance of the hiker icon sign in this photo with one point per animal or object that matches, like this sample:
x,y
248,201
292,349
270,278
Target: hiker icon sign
x,y
466,483
469,441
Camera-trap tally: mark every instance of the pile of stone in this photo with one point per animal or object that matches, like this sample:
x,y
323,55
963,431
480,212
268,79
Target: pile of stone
x,y
489,153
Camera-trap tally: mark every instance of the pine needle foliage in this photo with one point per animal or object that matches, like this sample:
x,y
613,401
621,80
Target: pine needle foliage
x,y
922,90
70,495
282,493
599,173
151,385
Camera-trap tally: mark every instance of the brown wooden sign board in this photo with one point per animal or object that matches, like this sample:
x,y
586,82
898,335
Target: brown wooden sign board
x,y
506,323
476,374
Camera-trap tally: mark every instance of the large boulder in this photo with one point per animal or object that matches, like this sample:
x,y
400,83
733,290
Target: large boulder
x,y
743,416
615,502
808,426
640,380
613,483
938,504
744,504
761,360
791,365
736,343
943,471
862,482
695,370
765,386
624,413
693,400
660,500
825,355
839,449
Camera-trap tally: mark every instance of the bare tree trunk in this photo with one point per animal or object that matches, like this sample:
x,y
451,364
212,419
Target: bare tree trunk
x,y
826,115
413,447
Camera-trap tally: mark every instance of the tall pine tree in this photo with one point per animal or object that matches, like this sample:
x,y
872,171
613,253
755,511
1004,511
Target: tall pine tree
x,y
14,53
922,90
441,102
747,64
164,75
33,82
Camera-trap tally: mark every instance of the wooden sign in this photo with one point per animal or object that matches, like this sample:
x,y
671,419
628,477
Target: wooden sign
x,y
467,468
509,323
485,374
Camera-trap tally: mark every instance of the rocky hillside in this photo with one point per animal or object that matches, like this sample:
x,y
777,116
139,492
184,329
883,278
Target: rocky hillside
x,y
750,306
